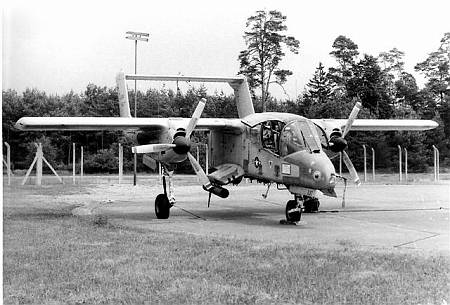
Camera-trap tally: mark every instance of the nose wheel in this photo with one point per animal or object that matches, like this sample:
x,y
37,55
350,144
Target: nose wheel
x,y
293,211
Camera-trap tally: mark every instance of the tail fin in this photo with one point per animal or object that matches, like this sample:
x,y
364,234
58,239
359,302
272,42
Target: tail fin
x,y
124,104
242,96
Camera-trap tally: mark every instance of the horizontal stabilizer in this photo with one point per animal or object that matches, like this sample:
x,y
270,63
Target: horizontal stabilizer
x,y
239,84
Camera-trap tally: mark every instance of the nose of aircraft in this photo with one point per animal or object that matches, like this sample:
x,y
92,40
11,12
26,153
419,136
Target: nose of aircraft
x,y
315,170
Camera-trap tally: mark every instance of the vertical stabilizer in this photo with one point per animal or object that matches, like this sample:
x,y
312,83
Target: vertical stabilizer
x,y
124,104
242,96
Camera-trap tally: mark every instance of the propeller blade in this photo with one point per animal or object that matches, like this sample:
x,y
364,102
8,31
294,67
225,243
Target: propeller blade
x,y
351,118
197,113
198,169
351,168
152,148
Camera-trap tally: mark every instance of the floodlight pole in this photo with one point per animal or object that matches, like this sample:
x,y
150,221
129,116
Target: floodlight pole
x,y
135,112
142,37
135,81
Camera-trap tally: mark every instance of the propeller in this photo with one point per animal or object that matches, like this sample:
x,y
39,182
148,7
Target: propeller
x,y
181,144
339,143
351,118
350,168
198,169
195,116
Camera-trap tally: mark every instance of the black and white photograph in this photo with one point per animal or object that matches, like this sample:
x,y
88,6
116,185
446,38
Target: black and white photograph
x,y
225,152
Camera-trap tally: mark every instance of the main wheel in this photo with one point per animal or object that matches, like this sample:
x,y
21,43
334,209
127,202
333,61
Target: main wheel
x,y
311,205
162,206
293,211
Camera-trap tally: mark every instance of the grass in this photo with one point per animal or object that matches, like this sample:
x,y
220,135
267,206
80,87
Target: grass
x,y
51,257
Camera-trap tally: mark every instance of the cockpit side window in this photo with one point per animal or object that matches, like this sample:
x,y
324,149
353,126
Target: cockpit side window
x,y
270,135
323,137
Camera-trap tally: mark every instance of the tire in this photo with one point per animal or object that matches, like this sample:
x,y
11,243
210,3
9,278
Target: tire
x,y
293,211
162,207
311,205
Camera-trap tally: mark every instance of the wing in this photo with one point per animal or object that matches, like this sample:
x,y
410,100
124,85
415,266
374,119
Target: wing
x,y
376,125
122,123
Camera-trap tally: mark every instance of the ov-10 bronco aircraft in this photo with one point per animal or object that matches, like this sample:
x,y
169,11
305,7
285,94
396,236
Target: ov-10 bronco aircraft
x,y
270,147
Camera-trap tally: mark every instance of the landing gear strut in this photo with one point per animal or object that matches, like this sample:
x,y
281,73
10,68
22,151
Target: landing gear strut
x,y
164,202
294,210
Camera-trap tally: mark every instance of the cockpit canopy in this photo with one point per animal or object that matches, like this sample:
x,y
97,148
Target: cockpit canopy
x,y
286,138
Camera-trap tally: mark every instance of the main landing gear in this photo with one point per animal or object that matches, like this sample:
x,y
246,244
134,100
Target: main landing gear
x,y
310,204
295,207
164,202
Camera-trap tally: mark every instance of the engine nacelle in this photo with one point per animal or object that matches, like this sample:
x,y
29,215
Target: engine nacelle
x,y
331,136
337,144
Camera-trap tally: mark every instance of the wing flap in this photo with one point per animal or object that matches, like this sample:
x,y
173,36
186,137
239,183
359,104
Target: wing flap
x,y
88,123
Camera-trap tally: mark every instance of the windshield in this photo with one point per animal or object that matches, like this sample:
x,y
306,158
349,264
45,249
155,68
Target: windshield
x,y
299,135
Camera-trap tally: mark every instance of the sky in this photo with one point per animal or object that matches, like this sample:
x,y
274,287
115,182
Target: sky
x,y
58,46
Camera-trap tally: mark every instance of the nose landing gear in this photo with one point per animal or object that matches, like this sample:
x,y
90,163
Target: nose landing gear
x,y
293,211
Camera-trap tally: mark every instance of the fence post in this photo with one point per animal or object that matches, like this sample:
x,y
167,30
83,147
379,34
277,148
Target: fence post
x,y
120,163
8,161
436,163
365,163
399,162
373,163
73,163
135,169
38,158
39,155
437,159
406,165
81,163
206,159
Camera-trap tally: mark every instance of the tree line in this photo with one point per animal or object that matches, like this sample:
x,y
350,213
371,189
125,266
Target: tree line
x,y
385,89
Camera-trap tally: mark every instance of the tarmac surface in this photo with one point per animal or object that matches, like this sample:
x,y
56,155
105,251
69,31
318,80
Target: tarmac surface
x,y
412,218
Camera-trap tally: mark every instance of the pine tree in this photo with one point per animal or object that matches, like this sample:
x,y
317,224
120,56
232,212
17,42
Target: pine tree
x,y
319,86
